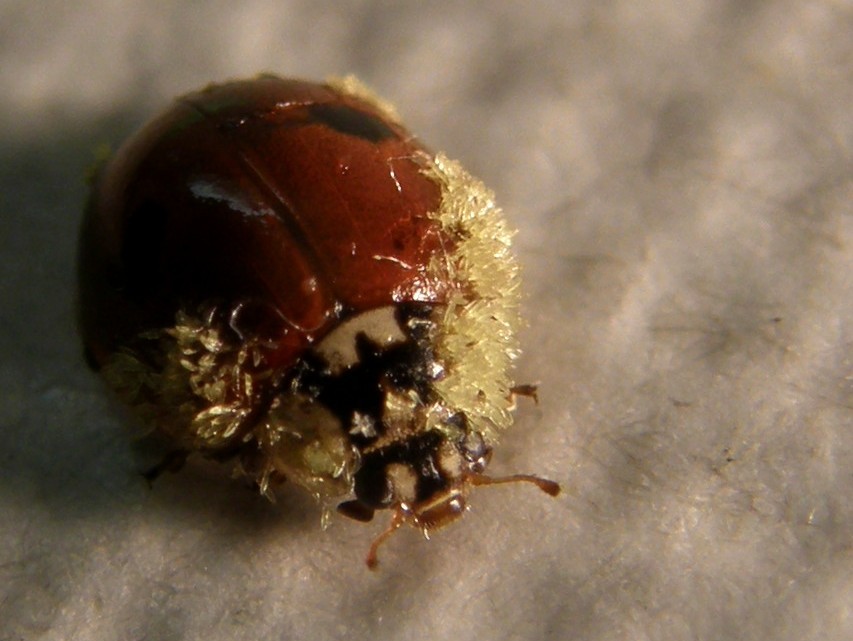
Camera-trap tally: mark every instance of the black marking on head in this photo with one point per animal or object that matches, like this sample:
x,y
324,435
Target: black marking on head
x,y
356,510
360,390
351,122
418,452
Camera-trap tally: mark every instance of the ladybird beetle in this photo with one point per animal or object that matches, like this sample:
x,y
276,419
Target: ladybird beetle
x,y
275,272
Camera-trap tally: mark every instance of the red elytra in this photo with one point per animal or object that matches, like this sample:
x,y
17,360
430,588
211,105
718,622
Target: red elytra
x,y
272,190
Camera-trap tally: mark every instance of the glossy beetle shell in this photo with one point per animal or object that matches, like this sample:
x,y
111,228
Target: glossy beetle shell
x,y
283,192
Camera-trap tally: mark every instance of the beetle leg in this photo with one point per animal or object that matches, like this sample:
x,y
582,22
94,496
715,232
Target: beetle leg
x,y
172,462
529,390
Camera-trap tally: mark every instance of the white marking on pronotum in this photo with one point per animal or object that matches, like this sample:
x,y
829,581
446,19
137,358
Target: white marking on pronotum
x,y
379,325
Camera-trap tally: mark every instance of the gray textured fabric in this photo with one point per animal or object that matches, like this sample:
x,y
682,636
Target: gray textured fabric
x,y
680,174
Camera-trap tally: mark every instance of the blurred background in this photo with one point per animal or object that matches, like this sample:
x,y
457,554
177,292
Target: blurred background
x,y
680,176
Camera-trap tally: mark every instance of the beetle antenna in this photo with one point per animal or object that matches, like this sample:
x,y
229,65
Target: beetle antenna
x,y
397,520
551,488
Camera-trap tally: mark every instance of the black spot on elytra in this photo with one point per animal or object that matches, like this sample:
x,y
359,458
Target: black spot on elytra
x,y
351,122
